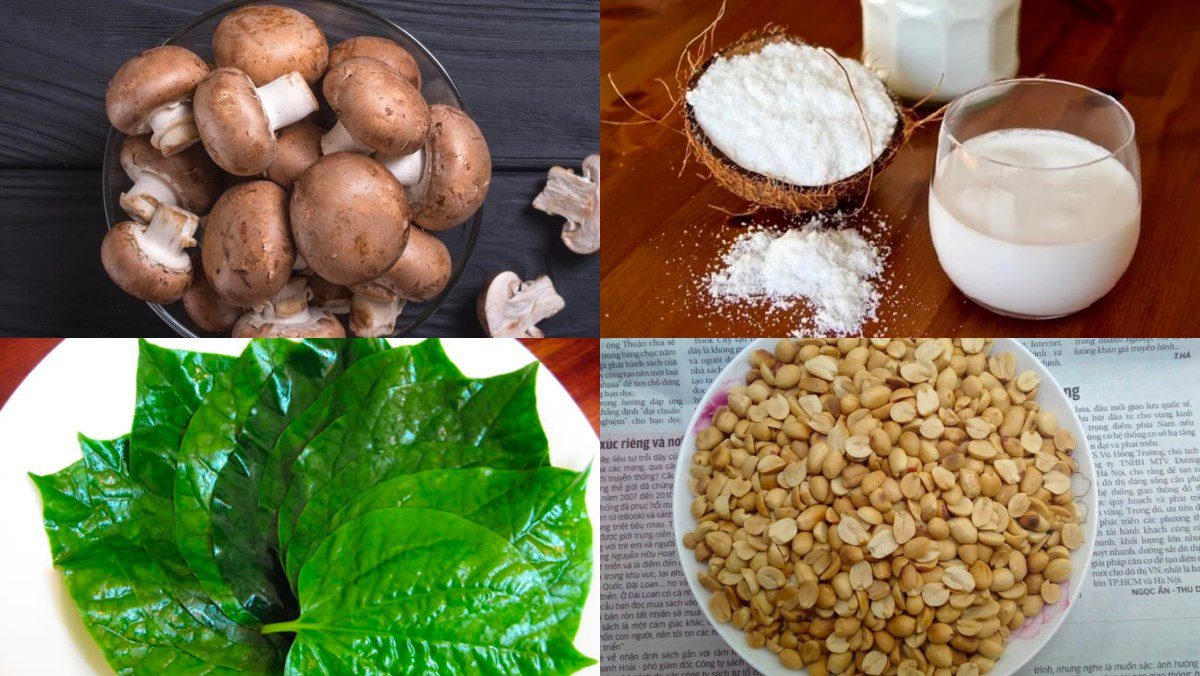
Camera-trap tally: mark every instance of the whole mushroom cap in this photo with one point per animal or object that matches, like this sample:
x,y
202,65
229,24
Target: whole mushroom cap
x,y
268,41
350,218
378,106
205,307
459,166
148,81
421,273
136,273
381,49
232,124
297,146
190,173
247,249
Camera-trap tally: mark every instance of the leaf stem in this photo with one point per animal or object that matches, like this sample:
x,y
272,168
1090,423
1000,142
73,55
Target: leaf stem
x,y
280,627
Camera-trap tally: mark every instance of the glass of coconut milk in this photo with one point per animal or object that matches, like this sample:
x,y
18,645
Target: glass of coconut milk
x,y
1035,202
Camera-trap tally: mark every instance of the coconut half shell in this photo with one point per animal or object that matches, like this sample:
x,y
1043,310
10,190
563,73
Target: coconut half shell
x,y
771,192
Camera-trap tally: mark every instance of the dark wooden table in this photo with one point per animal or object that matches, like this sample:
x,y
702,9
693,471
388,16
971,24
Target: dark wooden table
x,y
527,69
574,361
662,231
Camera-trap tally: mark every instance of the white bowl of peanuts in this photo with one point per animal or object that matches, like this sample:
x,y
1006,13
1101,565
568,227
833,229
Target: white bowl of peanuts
x,y
885,506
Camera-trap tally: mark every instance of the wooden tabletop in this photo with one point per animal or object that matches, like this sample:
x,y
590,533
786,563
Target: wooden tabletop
x,y
527,70
663,230
574,361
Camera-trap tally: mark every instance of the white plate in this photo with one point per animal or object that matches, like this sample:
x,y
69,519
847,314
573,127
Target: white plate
x,y
87,386
1026,641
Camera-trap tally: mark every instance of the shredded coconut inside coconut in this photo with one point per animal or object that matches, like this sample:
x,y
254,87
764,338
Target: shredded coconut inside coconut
x,y
786,112
834,270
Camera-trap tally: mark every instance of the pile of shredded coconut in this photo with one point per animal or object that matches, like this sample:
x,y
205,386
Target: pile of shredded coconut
x,y
835,270
786,112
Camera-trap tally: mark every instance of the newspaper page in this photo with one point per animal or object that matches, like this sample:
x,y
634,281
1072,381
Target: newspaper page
x,y
1138,613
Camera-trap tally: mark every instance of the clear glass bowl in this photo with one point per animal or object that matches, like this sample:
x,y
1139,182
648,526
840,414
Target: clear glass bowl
x,y
339,20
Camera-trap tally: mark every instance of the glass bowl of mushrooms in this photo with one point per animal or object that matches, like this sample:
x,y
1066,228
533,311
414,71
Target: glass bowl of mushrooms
x,y
265,175
885,506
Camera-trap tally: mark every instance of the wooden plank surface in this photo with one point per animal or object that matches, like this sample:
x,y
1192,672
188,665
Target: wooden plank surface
x,y
526,68
574,361
664,231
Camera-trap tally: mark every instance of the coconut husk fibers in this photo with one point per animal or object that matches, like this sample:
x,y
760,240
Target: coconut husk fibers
x,y
767,191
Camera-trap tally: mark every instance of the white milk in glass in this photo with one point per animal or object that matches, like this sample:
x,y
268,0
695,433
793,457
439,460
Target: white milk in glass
x,y
1032,222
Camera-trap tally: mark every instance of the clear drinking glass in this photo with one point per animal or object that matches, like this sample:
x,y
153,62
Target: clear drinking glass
x,y
339,20
1035,202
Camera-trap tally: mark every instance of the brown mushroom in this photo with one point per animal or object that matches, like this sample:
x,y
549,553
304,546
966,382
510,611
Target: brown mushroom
x,y
151,93
350,218
296,148
577,199
510,308
377,109
205,308
459,170
247,246
287,315
187,179
419,275
269,41
381,49
237,121
148,261
370,318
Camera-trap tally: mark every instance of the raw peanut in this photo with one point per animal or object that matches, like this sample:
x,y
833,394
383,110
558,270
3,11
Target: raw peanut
x,y
1058,570
781,532
1072,536
959,579
718,605
904,527
851,531
859,447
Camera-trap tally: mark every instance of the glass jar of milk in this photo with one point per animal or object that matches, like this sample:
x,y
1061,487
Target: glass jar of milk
x,y
1035,203
940,48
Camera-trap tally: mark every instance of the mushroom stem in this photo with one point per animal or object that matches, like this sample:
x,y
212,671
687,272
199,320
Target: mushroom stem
x,y
173,128
371,318
510,308
168,234
409,170
147,194
576,198
288,306
286,100
567,194
339,140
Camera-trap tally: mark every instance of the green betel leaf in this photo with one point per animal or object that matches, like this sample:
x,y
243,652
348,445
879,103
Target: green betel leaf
x,y
371,469
138,625
171,386
414,591
66,509
541,512
223,450
402,365
499,412
154,507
